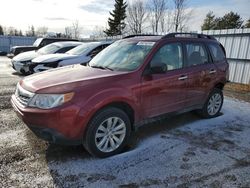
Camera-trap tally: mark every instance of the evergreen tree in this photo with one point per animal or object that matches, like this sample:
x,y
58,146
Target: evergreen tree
x,y
247,25
1,30
32,31
230,20
20,33
116,22
209,22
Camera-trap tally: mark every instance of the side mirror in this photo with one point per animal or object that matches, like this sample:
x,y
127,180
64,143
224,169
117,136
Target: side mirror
x,y
158,68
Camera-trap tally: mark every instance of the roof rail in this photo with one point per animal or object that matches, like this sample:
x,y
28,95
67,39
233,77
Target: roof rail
x,y
139,35
193,35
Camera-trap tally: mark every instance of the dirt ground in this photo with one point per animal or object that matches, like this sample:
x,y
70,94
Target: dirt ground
x,y
182,151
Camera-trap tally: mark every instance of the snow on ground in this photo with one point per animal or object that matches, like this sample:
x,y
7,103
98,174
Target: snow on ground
x,y
181,151
186,153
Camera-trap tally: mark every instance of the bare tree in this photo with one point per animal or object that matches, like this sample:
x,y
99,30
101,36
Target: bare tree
x,y
136,16
180,14
166,21
98,32
157,10
68,32
76,29
31,31
41,31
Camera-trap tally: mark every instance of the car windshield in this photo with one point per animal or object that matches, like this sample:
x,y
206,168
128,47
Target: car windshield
x,y
81,49
49,49
37,42
122,56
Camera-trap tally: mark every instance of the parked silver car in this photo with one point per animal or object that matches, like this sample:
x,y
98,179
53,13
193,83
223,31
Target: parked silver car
x,y
79,55
22,61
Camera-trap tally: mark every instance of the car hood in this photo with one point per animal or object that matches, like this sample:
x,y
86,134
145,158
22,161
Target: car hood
x,y
53,57
26,56
65,79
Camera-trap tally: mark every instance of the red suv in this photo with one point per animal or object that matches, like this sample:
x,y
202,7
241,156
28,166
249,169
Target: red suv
x,y
133,80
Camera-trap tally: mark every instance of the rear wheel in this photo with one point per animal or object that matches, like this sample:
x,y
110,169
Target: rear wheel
x,y
107,133
213,104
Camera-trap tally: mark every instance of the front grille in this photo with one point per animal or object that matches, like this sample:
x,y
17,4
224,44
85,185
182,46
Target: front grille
x,y
23,96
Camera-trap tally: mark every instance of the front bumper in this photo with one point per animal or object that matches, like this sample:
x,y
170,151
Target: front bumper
x,y
53,136
19,67
58,125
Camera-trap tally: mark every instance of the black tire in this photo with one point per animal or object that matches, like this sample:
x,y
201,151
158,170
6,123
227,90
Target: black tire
x,y
89,138
204,112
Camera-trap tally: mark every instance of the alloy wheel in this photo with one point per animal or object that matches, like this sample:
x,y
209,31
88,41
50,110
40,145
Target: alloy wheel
x,y
110,134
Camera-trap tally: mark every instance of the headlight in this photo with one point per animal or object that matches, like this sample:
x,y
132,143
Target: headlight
x,y
47,101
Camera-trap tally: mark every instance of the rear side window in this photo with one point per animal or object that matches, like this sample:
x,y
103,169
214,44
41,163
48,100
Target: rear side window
x,y
217,52
196,54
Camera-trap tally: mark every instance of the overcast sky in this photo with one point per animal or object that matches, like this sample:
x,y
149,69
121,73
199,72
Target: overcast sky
x,y
57,14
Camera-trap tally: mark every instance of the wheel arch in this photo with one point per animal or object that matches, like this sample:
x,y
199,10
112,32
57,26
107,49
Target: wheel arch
x,y
127,108
219,85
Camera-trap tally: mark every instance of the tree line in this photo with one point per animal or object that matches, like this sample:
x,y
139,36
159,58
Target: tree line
x,y
230,20
72,31
31,32
140,16
157,16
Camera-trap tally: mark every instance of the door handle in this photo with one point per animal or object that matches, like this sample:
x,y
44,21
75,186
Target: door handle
x,y
212,71
182,77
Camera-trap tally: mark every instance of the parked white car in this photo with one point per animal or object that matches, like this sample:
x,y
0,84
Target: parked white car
x,y
22,61
79,55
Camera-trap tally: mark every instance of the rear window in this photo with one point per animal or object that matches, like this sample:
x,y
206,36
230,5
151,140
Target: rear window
x,y
217,52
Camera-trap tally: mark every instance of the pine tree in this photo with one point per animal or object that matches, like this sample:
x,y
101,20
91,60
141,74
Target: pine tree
x,y
230,20
1,30
20,33
32,30
116,22
247,25
209,22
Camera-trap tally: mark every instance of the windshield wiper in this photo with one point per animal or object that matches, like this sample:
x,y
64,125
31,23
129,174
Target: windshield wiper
x,y
101,67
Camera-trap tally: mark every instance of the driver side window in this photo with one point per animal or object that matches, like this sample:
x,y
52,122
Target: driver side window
x,y
170,55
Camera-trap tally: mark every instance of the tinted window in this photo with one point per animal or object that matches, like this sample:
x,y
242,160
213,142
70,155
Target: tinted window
x,y
82,49
95,51
44,43
170,55
196,54
49,49
65,49
217,52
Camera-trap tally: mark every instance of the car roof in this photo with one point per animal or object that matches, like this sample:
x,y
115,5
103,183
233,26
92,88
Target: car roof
x,y
171,36
67,43
143,38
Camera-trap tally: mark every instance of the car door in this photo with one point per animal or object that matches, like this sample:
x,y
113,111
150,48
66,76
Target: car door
x,y
164,93
201,73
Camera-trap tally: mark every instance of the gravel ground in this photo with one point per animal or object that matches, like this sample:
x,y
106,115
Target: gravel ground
x,y
182,151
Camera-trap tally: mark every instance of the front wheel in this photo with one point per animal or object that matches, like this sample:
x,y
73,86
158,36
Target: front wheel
x,y
107,133
213,104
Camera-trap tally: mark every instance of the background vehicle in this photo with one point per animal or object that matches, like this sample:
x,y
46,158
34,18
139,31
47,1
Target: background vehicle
x,y
39,43
130,82
79,55
22,61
